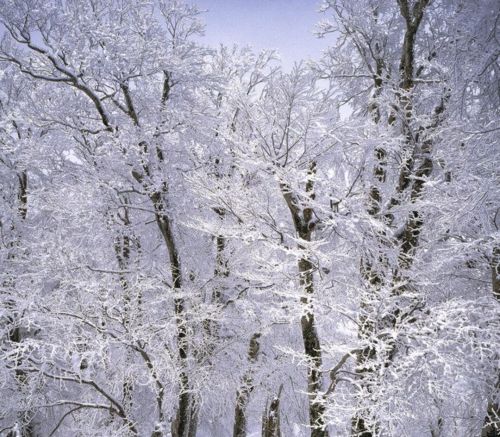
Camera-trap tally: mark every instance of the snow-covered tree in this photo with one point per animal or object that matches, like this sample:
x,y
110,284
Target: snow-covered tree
x,y
408,73
195,242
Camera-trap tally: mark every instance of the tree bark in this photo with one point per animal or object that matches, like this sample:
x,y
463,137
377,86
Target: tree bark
x,y
372,269
491,424
27,428
271,423
302,216
246,388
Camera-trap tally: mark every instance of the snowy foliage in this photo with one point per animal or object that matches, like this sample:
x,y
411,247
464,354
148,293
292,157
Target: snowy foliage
x,y
195,242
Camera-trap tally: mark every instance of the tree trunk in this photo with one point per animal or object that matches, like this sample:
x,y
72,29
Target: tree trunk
x,y
26,427
362,423
246,388
302,216
122,252
186,417
491,424
271,426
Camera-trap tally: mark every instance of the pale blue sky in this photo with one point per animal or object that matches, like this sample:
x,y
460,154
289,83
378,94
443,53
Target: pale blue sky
x,y
285,25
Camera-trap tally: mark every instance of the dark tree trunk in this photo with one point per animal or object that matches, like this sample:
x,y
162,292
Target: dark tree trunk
x,y
246,388
27,427
184,422
363,425
302,216
271,423
491,425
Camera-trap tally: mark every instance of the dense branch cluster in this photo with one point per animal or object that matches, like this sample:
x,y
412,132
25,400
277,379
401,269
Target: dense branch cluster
x,y
196,242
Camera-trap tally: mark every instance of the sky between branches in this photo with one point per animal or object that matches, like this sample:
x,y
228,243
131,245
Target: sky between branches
x,y
285,25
